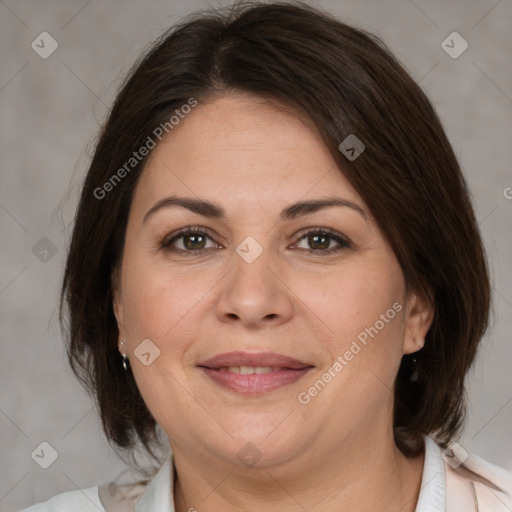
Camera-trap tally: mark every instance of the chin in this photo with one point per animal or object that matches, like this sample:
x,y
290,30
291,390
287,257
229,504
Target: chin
x,y
249,448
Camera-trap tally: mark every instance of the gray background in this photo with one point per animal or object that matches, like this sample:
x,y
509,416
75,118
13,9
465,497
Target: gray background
x,y
51,110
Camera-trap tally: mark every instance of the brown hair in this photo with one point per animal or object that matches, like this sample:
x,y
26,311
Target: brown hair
x,y
347,82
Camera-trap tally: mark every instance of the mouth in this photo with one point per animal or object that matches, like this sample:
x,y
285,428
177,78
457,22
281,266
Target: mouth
x,y
254,373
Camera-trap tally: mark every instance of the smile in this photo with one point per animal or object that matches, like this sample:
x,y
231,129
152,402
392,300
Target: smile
x,y
249,370
254,380
254,372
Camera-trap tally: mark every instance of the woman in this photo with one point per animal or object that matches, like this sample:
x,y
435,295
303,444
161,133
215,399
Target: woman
x,y
275,261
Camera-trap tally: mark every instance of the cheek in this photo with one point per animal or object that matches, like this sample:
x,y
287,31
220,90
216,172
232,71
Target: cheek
x,y
361,316
164,394
159,302
356,300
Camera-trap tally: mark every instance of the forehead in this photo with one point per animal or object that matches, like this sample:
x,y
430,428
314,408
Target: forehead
x,y
242,149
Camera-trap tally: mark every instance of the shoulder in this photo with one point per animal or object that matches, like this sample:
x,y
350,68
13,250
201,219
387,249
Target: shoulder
x,y
83,500
476,482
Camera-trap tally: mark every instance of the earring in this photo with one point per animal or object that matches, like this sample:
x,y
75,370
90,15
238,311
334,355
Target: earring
x,y
125,358
414,376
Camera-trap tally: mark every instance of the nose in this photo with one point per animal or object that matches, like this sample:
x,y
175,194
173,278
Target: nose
x,y
255,293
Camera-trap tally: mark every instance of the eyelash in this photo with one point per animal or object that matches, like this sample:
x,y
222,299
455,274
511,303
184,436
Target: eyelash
x,y
167,242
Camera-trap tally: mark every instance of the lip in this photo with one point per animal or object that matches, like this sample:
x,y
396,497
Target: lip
x,y
253,359
289,371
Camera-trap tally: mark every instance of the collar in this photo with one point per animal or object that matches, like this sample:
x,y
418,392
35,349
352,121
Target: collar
x,y
158,496
432,497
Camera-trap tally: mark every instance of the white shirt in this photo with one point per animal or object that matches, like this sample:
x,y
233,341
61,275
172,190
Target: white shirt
x,y
446,486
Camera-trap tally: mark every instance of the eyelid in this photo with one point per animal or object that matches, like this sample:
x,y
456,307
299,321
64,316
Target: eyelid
x,y
325,231
168,239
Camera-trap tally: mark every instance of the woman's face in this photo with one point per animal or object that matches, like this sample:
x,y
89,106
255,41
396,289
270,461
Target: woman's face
x,y
258,278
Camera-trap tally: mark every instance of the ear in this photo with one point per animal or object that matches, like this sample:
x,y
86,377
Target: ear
x,y
419,315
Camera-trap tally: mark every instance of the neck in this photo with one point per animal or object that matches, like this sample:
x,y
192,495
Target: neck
x,y
370,474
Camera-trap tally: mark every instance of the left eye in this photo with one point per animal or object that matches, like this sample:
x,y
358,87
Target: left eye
x,y
320,241
194,240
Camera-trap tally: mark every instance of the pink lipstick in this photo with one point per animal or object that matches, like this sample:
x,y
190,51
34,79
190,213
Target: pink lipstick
x,y
253,373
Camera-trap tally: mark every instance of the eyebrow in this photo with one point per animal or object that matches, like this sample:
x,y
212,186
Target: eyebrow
x,y
215,211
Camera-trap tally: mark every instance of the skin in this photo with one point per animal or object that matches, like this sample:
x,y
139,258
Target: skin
x,y
337,452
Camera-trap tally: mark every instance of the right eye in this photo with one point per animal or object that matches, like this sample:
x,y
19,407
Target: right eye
x,y
193,240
